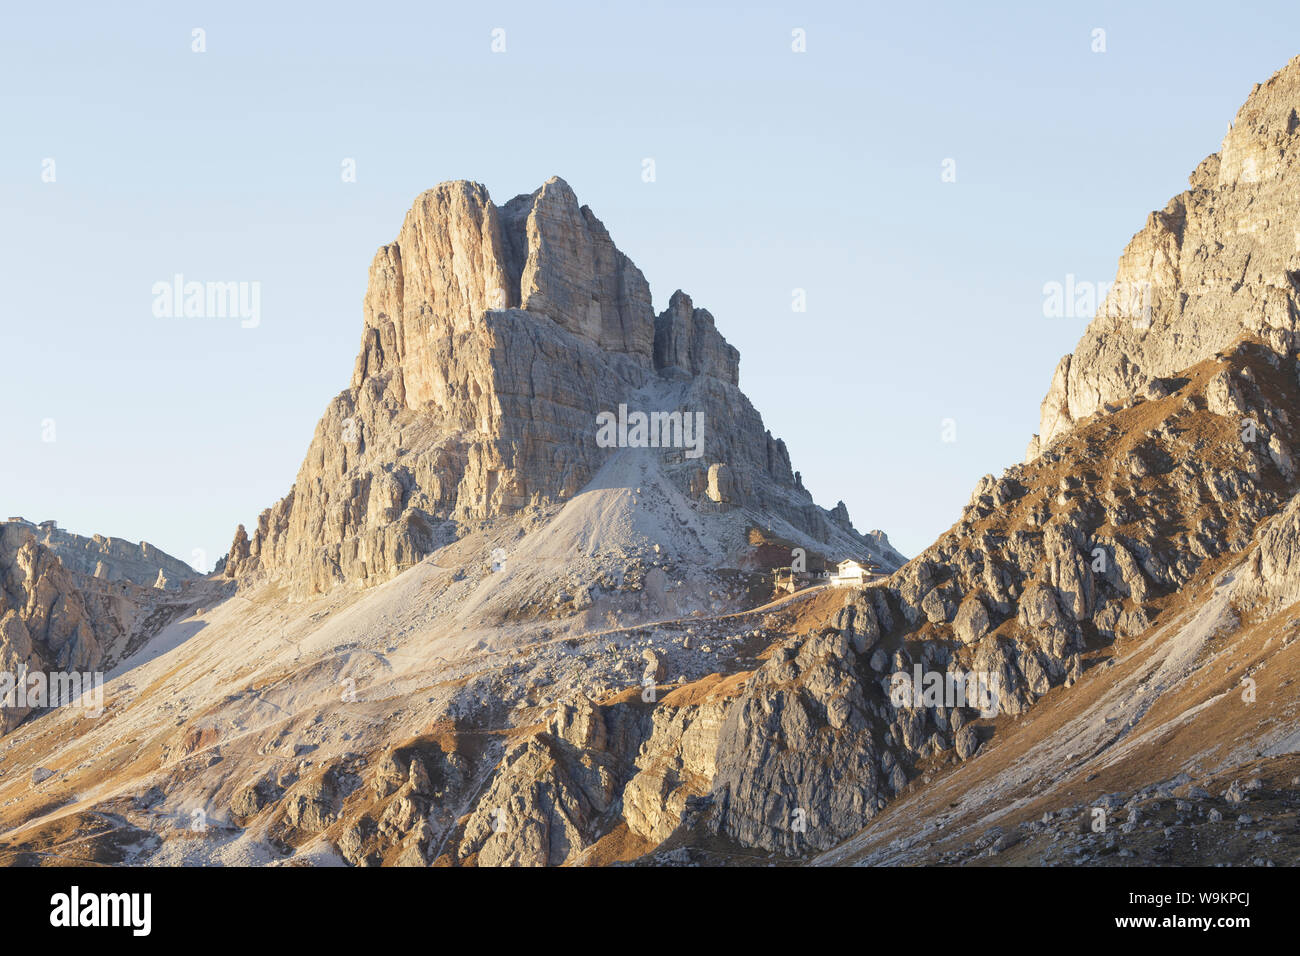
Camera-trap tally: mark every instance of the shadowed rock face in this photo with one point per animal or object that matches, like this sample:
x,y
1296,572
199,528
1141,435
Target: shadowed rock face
x,y
1220,260
493,337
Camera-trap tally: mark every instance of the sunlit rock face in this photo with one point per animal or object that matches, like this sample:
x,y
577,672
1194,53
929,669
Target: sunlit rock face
x,y
1222,259
493,338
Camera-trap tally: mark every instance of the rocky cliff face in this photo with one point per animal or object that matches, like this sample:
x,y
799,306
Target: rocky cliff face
x,y
1220,260
1049,567
493,338
43,617
110,559
1165,456
589,700
75,604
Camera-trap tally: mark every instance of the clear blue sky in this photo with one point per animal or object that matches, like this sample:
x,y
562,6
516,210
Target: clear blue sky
x,y
775,171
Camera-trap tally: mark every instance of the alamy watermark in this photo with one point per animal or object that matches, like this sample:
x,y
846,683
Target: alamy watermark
x,y
75,908
1079,299
651,430
179,299
922,688
38,690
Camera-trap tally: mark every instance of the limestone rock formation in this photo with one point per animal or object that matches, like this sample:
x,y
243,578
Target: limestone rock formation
x,y
566,702
556,792
678,760
493,338
71,604
44,621
107,558
687,340
1219,261
799,766
1076,551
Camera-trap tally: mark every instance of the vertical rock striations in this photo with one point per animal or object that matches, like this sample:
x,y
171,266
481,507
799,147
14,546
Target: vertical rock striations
x,y
1222,259
493,337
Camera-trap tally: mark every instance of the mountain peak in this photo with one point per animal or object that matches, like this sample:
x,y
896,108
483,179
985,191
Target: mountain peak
x,y
494,339
1219,262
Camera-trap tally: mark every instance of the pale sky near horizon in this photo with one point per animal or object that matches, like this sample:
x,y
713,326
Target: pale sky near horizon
x,y
774,171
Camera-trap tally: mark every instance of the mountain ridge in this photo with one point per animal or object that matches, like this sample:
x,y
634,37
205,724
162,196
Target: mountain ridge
x,y
583,662
1217,262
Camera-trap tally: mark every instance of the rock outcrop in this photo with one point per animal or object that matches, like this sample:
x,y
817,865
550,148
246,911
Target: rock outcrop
x,y
1221,260
1120,608
679,759
799,766
1165,450
493,338
70,604
107,558
44,622
1074,552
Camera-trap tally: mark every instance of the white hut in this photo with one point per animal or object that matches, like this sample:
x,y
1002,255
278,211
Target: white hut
x,y
850,574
